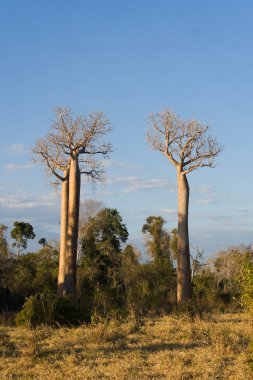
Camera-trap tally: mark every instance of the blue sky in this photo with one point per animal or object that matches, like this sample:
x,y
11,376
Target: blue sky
x,y
127,59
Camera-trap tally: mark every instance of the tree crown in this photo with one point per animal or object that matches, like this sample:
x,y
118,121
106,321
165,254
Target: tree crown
x,y
186,144
107,228
158,238
77,138
21,233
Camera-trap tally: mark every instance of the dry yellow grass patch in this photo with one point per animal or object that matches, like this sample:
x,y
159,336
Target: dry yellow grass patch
x,y
175,348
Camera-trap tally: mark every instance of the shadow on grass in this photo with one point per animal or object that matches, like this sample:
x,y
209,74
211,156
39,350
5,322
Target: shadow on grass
x,y
151,347
250,356
7,347
230,320
7,318
120,347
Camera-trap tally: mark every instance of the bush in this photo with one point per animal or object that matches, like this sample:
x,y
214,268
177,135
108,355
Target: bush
x,y
70,312
48,309
246,282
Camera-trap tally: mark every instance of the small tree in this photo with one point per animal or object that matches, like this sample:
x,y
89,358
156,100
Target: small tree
x,y
101,258
187,145
3,242
196,260
21,233
88,210
43,242
174,243
105,232
130,255
158,241
246,281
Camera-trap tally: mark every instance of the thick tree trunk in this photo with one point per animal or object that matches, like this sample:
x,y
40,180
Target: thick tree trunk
x,y
72,232
184,286
63,238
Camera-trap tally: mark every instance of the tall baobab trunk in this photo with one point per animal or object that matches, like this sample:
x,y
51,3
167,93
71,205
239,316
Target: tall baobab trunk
x,y
72,231
184,286
63,237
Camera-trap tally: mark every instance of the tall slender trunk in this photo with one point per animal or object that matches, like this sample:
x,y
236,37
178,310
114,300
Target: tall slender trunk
x,y
184,286
63,238
72,231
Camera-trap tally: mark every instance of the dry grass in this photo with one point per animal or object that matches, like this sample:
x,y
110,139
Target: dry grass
x,y
215,347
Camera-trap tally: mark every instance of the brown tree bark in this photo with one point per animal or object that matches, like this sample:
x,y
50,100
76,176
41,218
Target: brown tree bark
x,y
72,231
184,286
63,236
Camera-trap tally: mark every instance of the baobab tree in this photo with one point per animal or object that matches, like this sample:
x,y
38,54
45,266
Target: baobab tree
x,y
57,164
70,149
188,146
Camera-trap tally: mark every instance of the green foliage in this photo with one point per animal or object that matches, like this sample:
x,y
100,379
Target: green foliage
x,y
69,311
100,275
105,228
38,309
35,272
158,238
112,281
101,244
47,309
246,281
4,251
205,292
233,272
29,274
42,242
227,268
174,243
129,257
150,288
21,233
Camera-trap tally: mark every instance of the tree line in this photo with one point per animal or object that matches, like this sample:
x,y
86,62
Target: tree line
x,y
110,277
111,280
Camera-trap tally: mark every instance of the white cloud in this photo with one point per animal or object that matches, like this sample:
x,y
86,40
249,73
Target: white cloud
x,y
26,201
169,211
204,201
242,211
140,184
105,193
50,228
14,167
120,164
134,184
207,193
17,149
206,189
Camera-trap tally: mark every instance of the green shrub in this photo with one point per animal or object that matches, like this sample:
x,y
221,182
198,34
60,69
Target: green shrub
x,y
247,283
70,312
48,309
38,309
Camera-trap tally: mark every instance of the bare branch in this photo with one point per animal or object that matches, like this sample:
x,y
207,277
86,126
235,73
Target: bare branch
x,y
77,138
185,144
48,154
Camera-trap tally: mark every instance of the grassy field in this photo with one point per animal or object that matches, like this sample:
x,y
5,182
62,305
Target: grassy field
x,y
213,347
